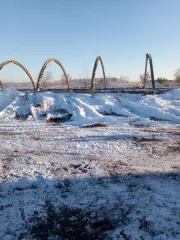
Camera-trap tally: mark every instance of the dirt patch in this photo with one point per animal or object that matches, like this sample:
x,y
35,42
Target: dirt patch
x,y
145,140
8,133
168,131
112,114
96,125
69,223
36,136
174,148
139,125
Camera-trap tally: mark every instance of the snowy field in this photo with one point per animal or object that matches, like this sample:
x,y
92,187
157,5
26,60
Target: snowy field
x,y
61,178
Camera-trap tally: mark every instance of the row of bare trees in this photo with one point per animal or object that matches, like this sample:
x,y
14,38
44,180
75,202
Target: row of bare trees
x,y
177,75
48,78
162,80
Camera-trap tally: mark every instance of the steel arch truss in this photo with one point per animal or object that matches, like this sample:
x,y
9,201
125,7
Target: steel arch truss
x,y
148,57
94,71
21,66
44,67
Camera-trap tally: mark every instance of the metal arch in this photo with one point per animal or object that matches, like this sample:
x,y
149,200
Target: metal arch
x,y
148,57
44,67
21,66
94,71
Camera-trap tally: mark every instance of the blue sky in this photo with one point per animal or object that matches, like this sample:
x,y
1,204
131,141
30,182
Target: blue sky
x,y
75,32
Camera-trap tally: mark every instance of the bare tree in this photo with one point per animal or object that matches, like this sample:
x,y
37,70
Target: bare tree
x,y
100,81
177,75
86,83
63,80
111,80
123,79
144,79
46,78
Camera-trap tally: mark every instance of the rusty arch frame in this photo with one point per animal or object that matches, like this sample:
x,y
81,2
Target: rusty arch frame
x,y
21,66
98,59
44,67
148,57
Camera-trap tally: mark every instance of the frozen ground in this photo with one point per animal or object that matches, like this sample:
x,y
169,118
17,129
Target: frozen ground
x,y
60,180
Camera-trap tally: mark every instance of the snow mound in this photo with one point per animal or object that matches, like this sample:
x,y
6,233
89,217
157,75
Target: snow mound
x,y
108,108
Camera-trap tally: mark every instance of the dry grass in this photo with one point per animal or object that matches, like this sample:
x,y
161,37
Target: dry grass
x,y
35,136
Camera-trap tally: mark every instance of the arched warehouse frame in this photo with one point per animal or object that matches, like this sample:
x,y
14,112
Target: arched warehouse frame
x,y
98,59
43,69
21,66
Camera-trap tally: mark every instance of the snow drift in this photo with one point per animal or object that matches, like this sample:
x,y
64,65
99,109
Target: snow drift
x,y
83,109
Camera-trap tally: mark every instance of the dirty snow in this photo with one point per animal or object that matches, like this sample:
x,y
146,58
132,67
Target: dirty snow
x,y
127,173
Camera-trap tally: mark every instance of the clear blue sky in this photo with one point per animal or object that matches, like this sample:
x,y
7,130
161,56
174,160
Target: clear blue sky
x,y
76,31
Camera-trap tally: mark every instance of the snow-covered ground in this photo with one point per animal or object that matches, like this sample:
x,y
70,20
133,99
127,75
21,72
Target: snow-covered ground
x,y
90,108
60,179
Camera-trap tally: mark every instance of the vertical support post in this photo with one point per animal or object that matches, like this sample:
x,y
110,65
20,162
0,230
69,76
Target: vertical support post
x,y
148,57
152,73
145,73
94,74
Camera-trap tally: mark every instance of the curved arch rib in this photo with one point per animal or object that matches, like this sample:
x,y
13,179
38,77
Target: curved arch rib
x,y
148,57
21,66
94,71
44,67
1,85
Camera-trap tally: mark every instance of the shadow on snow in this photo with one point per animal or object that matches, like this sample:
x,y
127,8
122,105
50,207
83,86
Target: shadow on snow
x,y
141,206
